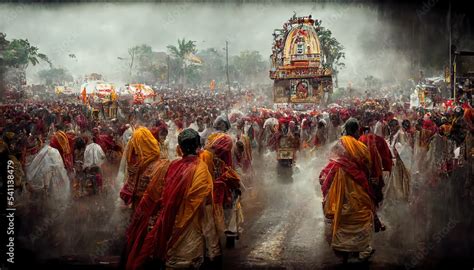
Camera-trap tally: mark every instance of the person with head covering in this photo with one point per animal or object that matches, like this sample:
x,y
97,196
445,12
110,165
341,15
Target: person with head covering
x,y
127,134
440,155
321,134
46,175
410,132
141,154
222,124
334,128
94,155
32,146
218,157
178,238
243,150
398,184
379,127
381,158
11,156
146,214
461,133
348,197
426,128
65,145
105,140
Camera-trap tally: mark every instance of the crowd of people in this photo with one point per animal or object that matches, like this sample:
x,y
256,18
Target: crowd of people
x,y
180,166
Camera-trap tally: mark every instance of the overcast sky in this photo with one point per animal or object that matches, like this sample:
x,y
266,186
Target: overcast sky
x,y
99,33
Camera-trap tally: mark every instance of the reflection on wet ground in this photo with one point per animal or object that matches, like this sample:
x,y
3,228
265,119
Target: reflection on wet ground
x,y
284,227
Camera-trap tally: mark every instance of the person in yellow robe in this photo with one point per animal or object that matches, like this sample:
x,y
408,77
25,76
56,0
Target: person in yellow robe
x,y
141,154
348,197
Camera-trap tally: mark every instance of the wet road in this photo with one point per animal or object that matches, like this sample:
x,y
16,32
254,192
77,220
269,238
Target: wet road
x,y
284,223
284,226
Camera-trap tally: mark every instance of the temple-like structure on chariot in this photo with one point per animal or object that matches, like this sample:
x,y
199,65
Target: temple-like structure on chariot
x,y
297,69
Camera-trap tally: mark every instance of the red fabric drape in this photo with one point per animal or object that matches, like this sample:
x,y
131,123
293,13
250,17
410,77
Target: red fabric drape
x,y
350,167
149,206
222,147
178,179
377,145
105,141
67,157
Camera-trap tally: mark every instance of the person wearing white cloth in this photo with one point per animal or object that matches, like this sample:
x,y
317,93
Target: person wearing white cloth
x,y
46,173
93,155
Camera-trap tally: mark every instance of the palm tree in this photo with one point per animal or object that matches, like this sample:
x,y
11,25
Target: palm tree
x,y
184,48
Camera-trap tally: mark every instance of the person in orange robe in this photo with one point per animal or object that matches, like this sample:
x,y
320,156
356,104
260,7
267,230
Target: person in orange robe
x,y
178,238
348,197
146,213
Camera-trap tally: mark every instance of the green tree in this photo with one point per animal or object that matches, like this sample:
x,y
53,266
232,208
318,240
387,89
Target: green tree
x,y
248,66
332,50
213,67
144,66
183,49
140,61
194,75
19,54
15,57
180,53
55,76
3,46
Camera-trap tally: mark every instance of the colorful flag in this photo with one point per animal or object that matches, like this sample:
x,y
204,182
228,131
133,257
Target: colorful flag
x,y
193,58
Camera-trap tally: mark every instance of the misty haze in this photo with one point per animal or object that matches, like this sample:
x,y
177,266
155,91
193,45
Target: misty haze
x,y
99,33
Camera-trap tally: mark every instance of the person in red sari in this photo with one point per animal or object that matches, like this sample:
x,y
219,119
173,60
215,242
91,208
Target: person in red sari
x,y
381,158
177,239
218,157
348,197
106,141
65,145
146,213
